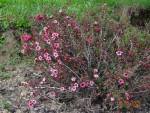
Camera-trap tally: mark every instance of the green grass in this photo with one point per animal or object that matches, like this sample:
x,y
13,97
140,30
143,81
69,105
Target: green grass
x,y
141,3
16,11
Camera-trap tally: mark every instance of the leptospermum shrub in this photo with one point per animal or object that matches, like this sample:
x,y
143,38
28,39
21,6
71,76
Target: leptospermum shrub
x,y
90,58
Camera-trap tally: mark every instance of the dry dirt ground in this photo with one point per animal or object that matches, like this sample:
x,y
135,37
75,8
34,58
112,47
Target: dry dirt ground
x,y
14,96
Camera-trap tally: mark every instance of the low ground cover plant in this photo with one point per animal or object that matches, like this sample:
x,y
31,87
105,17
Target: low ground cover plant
x,y
90,58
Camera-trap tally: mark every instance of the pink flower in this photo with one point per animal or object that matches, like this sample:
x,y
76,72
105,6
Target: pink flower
x,y
48,41
95,75
55,21
73,79
40,33
119,53
46,55
82,84
37,43
51,16
34,101
53,94
91,83
108,80
120,81
48,58
95,70
52,75
53,38
47,34
72,22
41,82
109,94
39,16
96,29
73,88
68,25
31,93
51,70
55,34
25,45
56,54
55,72
22,51
38,48
59,62
40,58
35,59
127,96
30,103
25,37
76,84
70,89
44,37
95,23
60,11
44,79
125,75
66,17
56,45
112,99
76,28
45,29
62,88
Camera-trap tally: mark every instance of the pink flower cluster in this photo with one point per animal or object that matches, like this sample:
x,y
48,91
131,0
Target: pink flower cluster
x,y
127,96
54,72
95,73
30,103
25,37
37,47
121,81
39,16
119,53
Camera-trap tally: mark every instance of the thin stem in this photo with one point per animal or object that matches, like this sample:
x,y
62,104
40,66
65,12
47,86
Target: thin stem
x,y
71,70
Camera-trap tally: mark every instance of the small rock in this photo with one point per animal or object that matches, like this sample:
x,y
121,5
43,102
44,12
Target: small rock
x,y
24,93
54,107
14,69
50,111
11,88
5,111
24,109
42,110
36,109
18,111
12,109
46,109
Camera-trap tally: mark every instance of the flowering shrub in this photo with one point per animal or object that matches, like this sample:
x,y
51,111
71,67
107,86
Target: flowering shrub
x,y
90,58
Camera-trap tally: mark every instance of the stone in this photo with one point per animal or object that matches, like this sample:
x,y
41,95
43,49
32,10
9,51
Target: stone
x,y
54,107
18,111
5,111
12,109
36,109
24,93
24,109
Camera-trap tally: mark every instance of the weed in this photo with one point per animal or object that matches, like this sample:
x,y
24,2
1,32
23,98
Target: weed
x,y
2,39
16,11
5,105
5,75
